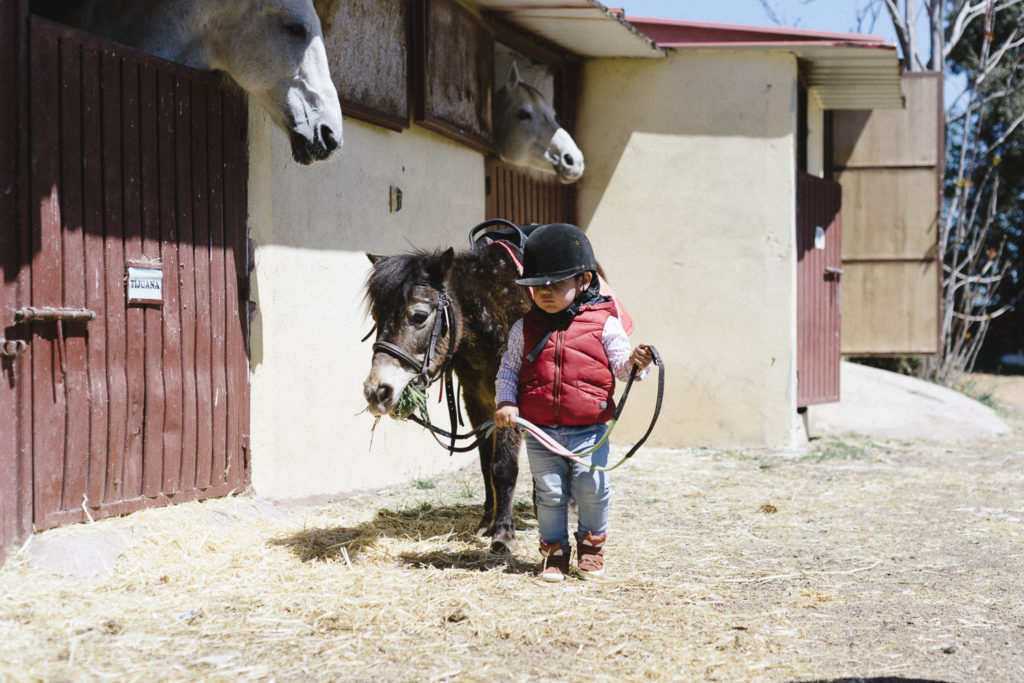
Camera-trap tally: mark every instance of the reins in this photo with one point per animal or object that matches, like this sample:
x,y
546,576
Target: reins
x,y
444,316
486,429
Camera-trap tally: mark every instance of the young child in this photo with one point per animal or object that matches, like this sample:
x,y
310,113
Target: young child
x,y
558,372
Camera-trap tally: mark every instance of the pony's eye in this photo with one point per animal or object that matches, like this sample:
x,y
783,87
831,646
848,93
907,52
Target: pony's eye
x,y
419,317
523,114
297,30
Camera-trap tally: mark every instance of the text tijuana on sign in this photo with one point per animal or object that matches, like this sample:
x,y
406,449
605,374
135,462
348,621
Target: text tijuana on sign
x,y
145,285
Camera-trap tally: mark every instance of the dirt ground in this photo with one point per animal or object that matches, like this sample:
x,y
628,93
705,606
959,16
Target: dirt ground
x,y
853,558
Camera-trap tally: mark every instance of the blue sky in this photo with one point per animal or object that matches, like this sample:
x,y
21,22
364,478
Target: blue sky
x,y
813,15
821,15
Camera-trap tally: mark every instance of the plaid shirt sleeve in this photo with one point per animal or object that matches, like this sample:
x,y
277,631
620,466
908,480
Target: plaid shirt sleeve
x,y
507,383
618,349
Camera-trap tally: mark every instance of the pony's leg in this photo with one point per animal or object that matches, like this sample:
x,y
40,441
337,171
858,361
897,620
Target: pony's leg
x,y
479,412
499,463
504,472
486,525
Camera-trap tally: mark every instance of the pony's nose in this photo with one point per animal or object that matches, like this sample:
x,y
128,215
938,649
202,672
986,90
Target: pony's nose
x,y
379,394
567,159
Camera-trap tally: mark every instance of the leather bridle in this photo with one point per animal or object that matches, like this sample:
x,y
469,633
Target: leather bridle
x,y
444,321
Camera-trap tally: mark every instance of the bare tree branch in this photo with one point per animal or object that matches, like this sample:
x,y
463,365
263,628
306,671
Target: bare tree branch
x,y
964,13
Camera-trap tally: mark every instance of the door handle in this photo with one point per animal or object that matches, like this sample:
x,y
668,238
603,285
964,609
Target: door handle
x,y
30,314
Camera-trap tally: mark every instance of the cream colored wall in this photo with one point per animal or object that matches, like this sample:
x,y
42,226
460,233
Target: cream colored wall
x,y
815,136
312,226
689,199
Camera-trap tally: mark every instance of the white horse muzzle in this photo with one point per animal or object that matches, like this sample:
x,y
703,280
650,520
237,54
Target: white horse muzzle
x,y
565,157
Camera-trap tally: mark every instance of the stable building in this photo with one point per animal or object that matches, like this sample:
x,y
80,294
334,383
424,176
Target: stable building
x,y
722,165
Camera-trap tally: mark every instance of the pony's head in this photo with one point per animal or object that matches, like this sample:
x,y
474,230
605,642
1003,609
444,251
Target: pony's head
x,y
274,49
526,132
403,294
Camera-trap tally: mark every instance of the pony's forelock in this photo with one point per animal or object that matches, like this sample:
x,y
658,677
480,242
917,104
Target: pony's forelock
x,y
391,281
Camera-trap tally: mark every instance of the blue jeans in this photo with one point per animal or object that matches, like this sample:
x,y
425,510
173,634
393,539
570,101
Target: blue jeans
x,y
557,479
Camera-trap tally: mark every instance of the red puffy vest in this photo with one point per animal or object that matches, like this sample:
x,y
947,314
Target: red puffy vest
x,y
571,383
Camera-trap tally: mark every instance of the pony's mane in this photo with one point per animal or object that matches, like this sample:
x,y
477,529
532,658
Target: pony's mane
x,y
392,279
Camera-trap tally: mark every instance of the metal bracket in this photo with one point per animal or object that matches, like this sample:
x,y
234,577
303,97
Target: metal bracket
x,y
12,347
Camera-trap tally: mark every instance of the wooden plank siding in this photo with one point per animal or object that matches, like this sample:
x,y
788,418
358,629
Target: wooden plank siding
x,y
524,196
890,164
15,387
134,161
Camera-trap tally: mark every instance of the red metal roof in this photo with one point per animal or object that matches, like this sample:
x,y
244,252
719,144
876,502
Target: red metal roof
x,y
844,70
677,33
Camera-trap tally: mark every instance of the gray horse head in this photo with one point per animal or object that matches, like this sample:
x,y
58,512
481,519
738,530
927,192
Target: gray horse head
x,y
526,132
273,49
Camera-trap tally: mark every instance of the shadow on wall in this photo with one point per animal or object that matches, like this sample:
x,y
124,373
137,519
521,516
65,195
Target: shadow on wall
x,y
685,99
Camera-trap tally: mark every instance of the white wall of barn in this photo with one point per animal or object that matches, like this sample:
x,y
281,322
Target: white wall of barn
x,y
312,226
689,198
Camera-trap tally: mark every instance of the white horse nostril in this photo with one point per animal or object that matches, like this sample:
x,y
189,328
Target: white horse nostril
x,y
330,141
568,160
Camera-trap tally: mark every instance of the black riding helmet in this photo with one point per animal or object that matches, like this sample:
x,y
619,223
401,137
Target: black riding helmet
x,y
556,252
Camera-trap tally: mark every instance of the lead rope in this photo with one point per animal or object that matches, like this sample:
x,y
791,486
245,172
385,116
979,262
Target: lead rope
x,y
486,429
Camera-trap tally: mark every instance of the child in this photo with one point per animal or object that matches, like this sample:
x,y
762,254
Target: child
x,y
558,372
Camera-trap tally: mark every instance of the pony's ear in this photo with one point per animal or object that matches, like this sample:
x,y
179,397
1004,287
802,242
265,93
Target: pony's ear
x,y
438,265
512,80
374,257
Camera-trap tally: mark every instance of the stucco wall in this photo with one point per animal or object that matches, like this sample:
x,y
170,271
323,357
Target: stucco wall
x,y
312,226
689,199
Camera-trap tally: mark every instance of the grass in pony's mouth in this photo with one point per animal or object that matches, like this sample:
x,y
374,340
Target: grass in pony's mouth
x,y
413,399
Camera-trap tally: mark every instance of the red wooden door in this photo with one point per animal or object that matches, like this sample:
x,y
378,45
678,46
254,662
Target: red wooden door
x,y
134,161
819,304
15,469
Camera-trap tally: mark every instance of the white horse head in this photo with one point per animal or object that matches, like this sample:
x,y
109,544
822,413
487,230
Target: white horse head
x,y
273,49
527,134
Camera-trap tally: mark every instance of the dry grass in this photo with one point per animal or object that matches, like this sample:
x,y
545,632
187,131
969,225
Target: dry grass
x,y
849,559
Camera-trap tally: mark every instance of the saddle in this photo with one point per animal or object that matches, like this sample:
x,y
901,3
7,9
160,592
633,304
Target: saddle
x,y
510,235
512,238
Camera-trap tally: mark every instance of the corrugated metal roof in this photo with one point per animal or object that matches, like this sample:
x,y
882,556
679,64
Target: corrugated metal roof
x,y
583,27
845,70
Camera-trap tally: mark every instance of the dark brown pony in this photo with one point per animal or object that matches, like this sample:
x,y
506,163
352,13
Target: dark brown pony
x,y
467,302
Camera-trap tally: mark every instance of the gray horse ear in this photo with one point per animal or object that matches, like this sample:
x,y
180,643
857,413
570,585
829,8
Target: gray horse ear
x,y
512,80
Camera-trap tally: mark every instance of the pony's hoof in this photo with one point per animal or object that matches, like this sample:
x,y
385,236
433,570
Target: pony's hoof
x,y
504,542
506,547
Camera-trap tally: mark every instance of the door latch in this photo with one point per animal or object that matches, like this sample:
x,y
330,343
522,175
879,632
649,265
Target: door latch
x,y
30,314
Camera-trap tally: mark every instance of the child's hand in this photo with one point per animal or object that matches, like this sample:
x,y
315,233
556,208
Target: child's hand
x,y
641,357
505,416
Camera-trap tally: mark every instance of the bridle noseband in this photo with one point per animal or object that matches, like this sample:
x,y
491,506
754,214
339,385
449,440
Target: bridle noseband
x,y
444,320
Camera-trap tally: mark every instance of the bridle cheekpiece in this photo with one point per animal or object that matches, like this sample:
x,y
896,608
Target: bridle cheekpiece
x,y
444,320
